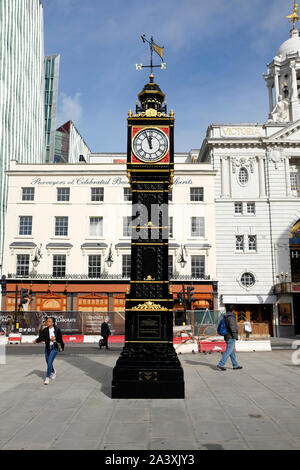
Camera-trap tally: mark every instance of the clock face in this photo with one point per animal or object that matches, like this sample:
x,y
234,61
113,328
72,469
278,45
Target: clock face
x,y
150,145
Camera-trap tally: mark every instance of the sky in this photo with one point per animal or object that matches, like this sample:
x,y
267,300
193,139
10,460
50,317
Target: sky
x,y
216,52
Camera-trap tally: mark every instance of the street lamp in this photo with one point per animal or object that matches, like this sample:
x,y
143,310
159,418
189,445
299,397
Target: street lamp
x,y
109,260
181,259
282,276
37,257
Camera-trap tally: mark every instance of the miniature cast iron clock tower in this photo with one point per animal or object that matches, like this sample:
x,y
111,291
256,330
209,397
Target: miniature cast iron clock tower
x,y
148,366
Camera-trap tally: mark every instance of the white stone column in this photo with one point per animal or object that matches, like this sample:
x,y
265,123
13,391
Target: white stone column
x,y
295,101
222,176
294,81
262,180
271,103
225,177
276,86
287,177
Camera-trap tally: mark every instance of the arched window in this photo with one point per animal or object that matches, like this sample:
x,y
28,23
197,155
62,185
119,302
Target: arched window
x,y
243,176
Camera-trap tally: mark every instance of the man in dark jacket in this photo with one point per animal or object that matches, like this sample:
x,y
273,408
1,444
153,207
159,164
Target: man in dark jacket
x,y
105,333
231,337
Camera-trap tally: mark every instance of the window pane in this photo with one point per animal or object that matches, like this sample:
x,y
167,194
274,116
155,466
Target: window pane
x,y
238,207
126,266
252,242
95,266
23,265
126,226
251,208
61,226
63,194
294,181
97,194
25,227
27,194
198,228
198,266
239,243
59,265
247,280
127,194
197,195
243,176
96,226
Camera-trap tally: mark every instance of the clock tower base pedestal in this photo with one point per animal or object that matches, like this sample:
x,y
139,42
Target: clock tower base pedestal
x,y
136,375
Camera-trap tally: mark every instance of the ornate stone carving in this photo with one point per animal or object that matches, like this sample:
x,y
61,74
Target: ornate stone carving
x,y
274,154
243,162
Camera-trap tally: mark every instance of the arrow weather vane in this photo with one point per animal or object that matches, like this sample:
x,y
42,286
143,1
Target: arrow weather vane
x,y
153,48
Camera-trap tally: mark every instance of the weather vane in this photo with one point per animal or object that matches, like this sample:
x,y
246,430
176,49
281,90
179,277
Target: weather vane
x,y
153,48
293,17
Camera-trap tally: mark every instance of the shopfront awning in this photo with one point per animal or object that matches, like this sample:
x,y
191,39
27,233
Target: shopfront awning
x,y
249,299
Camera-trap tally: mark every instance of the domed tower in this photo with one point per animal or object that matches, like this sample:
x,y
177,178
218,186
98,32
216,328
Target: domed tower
x,y
283,77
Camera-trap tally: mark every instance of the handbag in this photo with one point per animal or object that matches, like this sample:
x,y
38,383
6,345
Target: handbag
x,y
58,347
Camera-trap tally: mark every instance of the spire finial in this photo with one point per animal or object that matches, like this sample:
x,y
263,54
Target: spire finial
x,y
293,17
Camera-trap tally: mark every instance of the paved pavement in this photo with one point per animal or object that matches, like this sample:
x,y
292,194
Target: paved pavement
x,y
256,408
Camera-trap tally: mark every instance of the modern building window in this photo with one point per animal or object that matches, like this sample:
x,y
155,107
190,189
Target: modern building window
x,y
239,242
95,266
252,242
127,195
27,194
59,265
198,227
61,226
247,280
63,194
127,226
96,226
23,265
198,266
126,266
97,194
238,208
197,195
294,181
171,227
25,227
243,176
170,266
251,208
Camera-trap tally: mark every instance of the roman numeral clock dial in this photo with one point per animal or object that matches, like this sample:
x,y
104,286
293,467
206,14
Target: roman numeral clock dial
x,y
150,145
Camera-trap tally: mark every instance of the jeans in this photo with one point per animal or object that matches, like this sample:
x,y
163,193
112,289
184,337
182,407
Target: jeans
x,y
50,355
229,353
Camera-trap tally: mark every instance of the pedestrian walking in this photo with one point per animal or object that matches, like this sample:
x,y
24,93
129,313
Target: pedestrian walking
x,y
105,333
230,337
2,332
53,344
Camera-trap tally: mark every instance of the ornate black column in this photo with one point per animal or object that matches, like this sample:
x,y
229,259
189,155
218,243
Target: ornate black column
x,y
148,366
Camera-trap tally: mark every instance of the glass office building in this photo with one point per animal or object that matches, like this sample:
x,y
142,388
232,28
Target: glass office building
x,y
22,85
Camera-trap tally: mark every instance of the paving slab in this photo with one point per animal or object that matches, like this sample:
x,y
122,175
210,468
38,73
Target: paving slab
x,y
256,408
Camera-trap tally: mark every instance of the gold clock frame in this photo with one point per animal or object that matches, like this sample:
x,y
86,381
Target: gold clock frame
x,y
142,128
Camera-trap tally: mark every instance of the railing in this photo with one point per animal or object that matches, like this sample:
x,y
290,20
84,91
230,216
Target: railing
x,y
104,276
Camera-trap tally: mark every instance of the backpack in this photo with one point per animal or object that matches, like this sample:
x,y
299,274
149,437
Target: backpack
x,y
222,327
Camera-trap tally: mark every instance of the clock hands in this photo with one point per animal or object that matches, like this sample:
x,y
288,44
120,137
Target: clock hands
x,y
149,138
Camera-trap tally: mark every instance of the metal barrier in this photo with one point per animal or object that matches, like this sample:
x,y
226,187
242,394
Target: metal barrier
x,y
204,321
